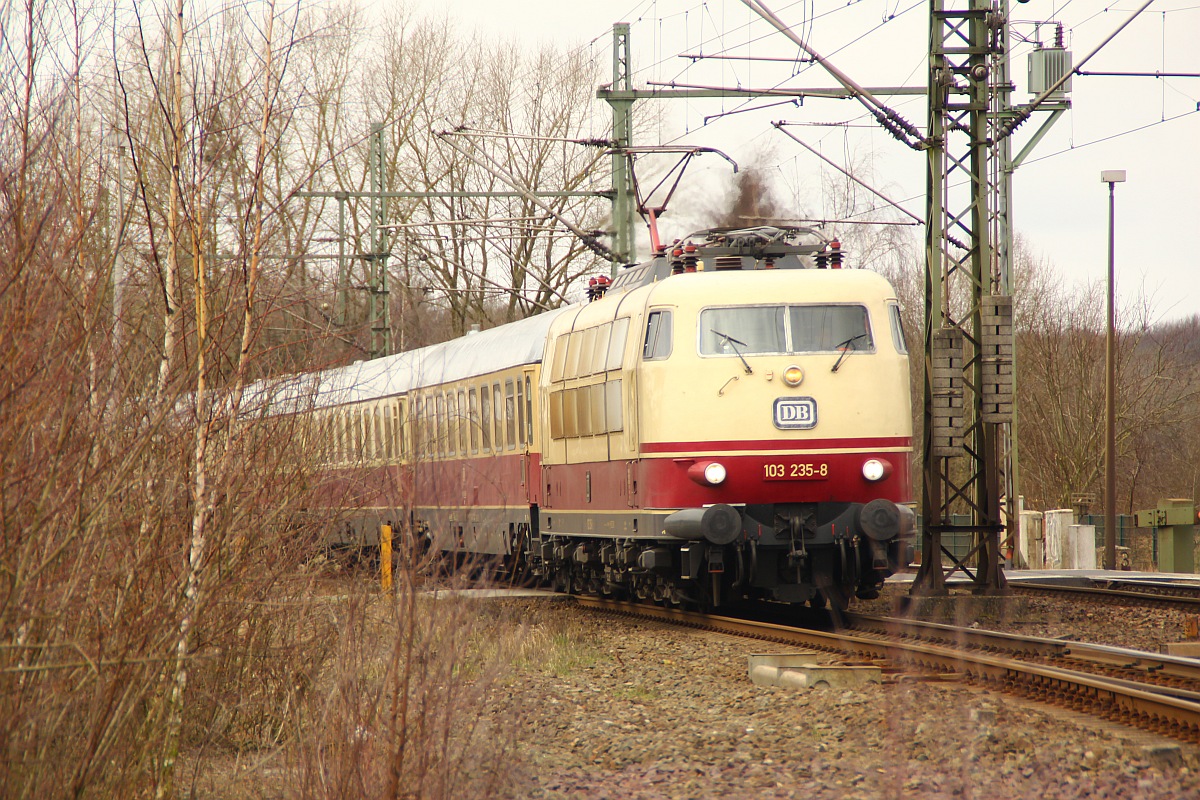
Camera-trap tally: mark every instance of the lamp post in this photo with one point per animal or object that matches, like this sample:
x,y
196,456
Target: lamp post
x,y
1112,177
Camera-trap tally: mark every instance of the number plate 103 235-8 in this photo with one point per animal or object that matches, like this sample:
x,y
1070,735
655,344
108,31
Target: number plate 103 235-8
x,y
796,471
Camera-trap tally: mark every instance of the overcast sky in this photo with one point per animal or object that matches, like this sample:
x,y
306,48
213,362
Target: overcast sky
x,y
1148,126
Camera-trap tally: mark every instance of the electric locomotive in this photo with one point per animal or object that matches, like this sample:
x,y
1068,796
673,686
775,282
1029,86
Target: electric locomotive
x,y
728,420
755,440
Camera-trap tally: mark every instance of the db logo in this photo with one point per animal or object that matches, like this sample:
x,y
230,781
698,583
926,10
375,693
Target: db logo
x,y
795,413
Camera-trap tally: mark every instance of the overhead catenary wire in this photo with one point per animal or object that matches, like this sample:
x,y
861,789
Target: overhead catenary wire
x,y
782,128
488,164
892,122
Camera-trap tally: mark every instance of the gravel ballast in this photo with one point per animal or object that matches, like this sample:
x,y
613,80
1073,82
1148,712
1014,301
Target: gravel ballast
x,y
623,709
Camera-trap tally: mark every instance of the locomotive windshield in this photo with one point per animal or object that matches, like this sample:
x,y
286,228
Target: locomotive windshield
x,y
784,329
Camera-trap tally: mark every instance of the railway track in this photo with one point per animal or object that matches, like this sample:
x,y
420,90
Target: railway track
x,y
1155,693
1183,597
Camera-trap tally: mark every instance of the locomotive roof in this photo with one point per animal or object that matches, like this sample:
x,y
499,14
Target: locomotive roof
x,y
504,346
771,286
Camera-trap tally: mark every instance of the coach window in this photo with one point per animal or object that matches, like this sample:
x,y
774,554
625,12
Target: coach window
x,y
431,427
485,398
359,443
658,336
528,411
463,422
440,404
376,433
616,343
397,411
451,424
385,411
520,409
474,421
498,409
510,414
414,426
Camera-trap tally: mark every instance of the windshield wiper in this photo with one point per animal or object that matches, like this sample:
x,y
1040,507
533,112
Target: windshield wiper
x,y
734,343
846,347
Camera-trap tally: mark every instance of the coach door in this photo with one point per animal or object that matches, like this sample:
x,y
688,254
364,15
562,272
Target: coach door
x,y
530,452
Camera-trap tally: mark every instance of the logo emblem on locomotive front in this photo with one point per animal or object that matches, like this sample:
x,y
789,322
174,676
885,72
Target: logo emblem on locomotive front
x,y
792,413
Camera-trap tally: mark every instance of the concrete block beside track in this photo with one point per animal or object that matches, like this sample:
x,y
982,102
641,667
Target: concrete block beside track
x,y
803,670
963,609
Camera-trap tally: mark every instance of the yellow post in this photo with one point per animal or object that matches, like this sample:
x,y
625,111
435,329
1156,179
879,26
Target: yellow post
x,y
385,557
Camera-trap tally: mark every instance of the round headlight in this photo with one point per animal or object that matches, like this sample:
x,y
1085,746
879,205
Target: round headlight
x,y
714,473
876,469
793,375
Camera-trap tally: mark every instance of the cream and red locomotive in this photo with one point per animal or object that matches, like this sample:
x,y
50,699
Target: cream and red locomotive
x,y
728,420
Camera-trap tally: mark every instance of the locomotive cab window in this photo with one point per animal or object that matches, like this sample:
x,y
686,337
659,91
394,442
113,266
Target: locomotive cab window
x,y
897,329
816,329
658,336
757,330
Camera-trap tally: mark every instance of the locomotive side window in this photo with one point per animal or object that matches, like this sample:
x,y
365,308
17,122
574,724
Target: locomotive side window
x,y
587,346
897,329
556,415
616,342
658,336
818,329
560,358
574,345
612,403
599,358
596,409
570,413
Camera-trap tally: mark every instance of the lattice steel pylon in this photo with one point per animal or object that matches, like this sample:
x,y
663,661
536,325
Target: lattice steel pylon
x,y
968,325
377,284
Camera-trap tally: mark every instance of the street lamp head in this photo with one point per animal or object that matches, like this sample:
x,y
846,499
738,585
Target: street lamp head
x,y
1112,176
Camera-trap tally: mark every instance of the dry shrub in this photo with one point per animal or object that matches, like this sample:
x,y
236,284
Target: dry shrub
x,y
403,711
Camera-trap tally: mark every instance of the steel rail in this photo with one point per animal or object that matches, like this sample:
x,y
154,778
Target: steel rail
x,y
1121,701
1186,598
1161,674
